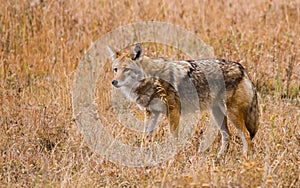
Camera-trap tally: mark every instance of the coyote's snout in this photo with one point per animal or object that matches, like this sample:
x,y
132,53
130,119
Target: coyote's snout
x,y
115,83
223,88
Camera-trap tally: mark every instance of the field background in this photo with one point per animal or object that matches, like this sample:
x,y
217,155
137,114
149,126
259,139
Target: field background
x,y
42,42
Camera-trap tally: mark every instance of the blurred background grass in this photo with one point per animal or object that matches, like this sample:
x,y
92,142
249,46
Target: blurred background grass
x,y
42,42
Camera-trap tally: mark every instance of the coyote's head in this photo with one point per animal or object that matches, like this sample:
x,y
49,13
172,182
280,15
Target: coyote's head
x,y
126,71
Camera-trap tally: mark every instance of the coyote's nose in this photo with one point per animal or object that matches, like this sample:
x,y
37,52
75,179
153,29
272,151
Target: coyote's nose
x,y
114,83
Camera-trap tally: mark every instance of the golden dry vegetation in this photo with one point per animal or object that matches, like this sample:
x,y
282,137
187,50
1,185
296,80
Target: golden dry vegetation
x,y
42,42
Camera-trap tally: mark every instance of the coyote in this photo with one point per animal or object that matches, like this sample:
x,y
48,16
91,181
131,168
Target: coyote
x,y
159,86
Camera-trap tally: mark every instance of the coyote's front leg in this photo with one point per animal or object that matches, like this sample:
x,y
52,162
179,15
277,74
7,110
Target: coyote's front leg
x,y
151,120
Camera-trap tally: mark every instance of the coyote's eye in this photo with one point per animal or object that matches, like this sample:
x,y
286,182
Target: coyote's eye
x,y
126,69
115,69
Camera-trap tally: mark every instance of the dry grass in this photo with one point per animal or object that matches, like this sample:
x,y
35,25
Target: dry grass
x,y
41,45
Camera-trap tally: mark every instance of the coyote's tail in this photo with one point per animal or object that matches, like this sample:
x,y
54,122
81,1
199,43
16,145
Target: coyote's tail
x,y
252,116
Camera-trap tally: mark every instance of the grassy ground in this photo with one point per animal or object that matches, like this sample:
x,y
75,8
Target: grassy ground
x,y
42,42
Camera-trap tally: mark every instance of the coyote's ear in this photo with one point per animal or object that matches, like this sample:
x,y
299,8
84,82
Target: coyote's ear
x,y
113,55
137,52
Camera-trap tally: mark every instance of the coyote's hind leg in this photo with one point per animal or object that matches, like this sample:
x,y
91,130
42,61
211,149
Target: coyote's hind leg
x,y
219,117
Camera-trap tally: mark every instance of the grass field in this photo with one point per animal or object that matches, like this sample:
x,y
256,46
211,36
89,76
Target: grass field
x,y
42,42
